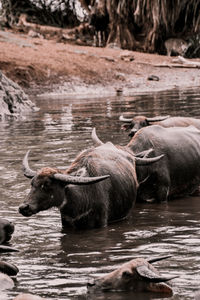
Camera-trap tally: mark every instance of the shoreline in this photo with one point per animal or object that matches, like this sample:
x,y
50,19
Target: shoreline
x,y
85,93
47,67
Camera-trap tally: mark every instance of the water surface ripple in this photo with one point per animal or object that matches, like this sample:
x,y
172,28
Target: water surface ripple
x,y
57,264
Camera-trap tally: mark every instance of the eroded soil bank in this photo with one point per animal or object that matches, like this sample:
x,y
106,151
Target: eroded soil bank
x,y
48,66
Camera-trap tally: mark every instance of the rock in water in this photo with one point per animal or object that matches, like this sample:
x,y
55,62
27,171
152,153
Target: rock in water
x,y
13,101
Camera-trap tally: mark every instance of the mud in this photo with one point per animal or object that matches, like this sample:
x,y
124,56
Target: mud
x,y
48,66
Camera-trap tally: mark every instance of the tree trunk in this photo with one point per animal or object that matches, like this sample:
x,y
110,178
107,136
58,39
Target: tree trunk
x,y
121,26
7,15
132,24
146,24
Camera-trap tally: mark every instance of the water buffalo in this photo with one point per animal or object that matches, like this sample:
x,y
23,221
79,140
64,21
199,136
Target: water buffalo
x,y
136,123
6,230
98,188
178,173
137,275
6,282
7,270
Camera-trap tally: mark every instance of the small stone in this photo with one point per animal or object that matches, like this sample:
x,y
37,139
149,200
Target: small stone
x,y
154,78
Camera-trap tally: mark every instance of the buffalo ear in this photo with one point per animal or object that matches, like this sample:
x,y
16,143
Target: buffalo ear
x,y
148,275
160,288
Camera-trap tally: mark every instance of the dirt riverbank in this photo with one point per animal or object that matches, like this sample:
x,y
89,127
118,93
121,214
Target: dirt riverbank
x,y
42,66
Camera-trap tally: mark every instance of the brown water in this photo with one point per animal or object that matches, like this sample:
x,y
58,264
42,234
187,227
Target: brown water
x,y
57,264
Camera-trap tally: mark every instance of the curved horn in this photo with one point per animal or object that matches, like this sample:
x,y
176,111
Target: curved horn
x,y
144,153
8,268
147,161
152,260
95,138
157,119
25,167
125,120
68,179
146,274
7,249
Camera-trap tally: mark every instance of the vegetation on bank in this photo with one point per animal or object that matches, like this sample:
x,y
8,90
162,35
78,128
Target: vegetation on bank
x,y
141,25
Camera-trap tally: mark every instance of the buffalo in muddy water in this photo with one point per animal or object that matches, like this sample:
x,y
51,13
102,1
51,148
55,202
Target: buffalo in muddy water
x,y
137,275
6,230
7,270
98,188
136,123
178,173
6,282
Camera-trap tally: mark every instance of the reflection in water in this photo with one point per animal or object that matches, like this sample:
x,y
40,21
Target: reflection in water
x,y
57,264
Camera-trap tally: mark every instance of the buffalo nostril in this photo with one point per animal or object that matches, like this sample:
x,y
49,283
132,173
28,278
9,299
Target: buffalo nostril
x,y
23,207
25,210
131,134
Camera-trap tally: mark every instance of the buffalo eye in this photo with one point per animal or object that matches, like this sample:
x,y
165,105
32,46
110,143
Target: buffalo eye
x,y
127,126
127,275
45,186
144,123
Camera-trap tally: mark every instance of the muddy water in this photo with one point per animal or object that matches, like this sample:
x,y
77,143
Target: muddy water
x,y
57,264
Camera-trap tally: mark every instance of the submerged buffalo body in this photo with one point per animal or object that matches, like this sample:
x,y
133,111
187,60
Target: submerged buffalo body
x,y
136,123
6,230
6,282
137,275
178,173
98,188
7,270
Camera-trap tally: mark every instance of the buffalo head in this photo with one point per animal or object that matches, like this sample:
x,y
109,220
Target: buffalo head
x,y
136,123
137,275
48,187
6,230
